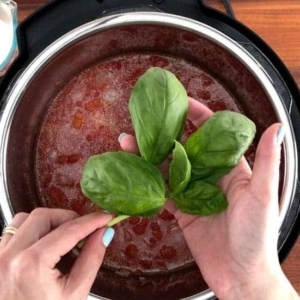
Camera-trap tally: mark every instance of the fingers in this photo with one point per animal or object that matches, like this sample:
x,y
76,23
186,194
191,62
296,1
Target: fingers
x,y
64,238
236,179
87,265
17,221
40,222
198,112
128,143
265,178
171,207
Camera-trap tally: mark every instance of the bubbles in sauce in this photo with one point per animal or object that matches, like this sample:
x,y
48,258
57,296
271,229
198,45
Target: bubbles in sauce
x,y
86,119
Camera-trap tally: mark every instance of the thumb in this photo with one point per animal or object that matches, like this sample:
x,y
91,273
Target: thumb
x,y
265,176
87,265
128,143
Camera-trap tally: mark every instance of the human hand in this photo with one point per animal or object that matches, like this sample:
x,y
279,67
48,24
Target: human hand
x,y
28,259
236,250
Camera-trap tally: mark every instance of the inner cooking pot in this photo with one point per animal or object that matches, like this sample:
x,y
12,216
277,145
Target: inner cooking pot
x,y
114,38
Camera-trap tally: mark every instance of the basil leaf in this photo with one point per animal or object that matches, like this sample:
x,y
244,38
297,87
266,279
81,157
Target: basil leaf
x,y
158,106
201,198
123,183
219,144
179,170
209,175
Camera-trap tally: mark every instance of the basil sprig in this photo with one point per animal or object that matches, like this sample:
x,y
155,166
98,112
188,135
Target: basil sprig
x,y
126,184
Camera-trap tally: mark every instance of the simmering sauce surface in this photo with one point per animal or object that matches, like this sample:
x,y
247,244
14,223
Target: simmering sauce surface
x,y
86,119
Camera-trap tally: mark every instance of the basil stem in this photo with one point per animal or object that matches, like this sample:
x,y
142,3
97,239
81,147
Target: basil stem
x,y
117,220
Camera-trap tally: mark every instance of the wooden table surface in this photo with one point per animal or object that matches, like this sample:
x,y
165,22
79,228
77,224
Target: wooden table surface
x,y
278,23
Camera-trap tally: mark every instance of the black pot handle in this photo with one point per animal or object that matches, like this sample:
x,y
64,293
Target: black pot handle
x,y
138,8
226,3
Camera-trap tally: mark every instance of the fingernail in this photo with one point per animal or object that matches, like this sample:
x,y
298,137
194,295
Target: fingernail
x,y
280,134
108,236
81,244
121,136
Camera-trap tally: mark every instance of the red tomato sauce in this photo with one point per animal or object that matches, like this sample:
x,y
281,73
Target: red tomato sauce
x,y
86,119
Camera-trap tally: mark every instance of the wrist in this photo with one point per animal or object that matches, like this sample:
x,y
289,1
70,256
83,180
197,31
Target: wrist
x,y
269,287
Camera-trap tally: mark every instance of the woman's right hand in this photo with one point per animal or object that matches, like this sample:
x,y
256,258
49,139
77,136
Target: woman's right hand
x,y
29,258
236,250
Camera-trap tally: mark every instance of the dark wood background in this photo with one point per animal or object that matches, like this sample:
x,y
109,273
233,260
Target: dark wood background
x,y
278,23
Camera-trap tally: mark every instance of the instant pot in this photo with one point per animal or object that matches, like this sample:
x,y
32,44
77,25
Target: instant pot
x,y
77,34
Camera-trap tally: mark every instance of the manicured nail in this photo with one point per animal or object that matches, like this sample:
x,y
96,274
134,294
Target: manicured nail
x,y
121,136
108,236
280,134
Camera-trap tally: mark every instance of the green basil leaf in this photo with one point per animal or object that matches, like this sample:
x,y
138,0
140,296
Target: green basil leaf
x,y
201,198
123,183
179,170
220,142
209,175
158,106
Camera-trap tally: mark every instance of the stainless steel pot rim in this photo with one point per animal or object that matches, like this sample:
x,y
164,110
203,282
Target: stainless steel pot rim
x,y
207,295
150,18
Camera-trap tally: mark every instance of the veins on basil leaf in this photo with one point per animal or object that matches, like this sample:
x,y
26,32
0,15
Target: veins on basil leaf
x,y
179,170
158,106
201,198
209,175
219,144
123,183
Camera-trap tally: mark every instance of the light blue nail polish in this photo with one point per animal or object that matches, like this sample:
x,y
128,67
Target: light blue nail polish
x,y
108,236
280,134
121,136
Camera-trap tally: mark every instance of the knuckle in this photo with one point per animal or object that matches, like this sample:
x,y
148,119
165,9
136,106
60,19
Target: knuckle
x,y
22,265
37,214
20,217
16,263
39,211
26,259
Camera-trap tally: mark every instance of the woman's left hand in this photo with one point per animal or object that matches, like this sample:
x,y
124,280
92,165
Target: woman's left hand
x,y
240,243
28,258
